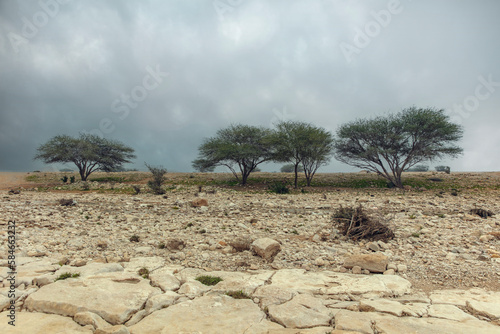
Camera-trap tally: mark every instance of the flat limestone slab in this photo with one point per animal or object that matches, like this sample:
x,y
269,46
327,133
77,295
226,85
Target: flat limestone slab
x,y
114,296
303,311
213,314
389,324
331,283
40,323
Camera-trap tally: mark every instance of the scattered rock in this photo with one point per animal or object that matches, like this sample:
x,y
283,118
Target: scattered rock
x,y
373,246
266,248
175,244
241,244
375,263
199,202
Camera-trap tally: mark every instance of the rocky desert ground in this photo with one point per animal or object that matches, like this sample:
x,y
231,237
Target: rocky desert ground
x,y
133,259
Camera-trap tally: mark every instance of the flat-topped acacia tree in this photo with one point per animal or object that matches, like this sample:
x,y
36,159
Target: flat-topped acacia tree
x,y
89,153
390,145
239,146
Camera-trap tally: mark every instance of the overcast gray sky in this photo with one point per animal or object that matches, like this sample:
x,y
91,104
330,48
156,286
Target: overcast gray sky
x,y
162,75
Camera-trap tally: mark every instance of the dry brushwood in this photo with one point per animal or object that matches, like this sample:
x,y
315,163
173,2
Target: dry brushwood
x,y
481,213
66,202
355,224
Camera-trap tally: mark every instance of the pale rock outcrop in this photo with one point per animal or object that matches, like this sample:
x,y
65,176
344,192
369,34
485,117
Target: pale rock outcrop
x,y
114,296
208,315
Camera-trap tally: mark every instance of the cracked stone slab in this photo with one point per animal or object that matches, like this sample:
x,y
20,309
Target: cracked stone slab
x,y
315,330
151,263
212,314
91,269
303,311
461,297
382,306
40,323
115,297
366,322
450,312
331,283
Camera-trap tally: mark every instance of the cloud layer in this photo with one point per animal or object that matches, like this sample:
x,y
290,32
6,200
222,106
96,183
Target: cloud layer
x,y
162,75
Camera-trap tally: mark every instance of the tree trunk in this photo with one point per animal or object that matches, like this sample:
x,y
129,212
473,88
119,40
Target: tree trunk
x,y
296,175
82,175
244,177
308,181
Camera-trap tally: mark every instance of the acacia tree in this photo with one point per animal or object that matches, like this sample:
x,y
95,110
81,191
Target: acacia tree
x,y
392,144
318,152
239,146
89,153
300,143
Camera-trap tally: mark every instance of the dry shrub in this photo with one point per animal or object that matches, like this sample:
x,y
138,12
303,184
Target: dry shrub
x,y
481,213
355,224
66,202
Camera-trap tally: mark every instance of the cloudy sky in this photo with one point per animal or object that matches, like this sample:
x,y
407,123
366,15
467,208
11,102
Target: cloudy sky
x,y
162,75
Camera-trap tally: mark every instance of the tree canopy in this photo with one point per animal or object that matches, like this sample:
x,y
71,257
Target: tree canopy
x,y
239,146
300,143
89,153
390,145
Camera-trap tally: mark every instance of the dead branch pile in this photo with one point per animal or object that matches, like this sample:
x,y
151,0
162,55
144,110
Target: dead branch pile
x,y
355,224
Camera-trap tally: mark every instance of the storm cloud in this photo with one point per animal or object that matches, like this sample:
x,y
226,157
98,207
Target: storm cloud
x,y
162,75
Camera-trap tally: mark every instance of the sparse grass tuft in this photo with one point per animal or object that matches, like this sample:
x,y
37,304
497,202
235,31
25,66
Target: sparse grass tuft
x,y
134,238
208,280
238,294
67,275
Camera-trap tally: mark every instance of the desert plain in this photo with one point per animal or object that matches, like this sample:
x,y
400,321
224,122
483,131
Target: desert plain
x,y
133,257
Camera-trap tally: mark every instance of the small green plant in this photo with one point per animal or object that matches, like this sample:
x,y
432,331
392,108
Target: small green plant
x,y
208,280
415,235
238,294
87,217
441,215
279,188
67,275
161,245
295,232
144,272
189,225
134,238
64,179
412,216
72,179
